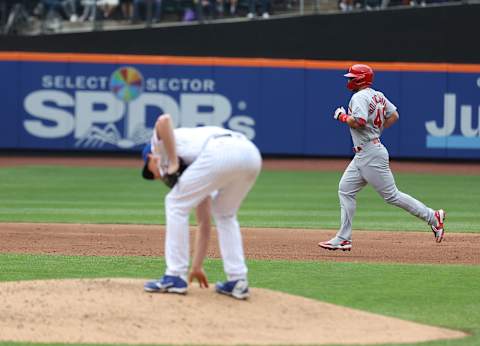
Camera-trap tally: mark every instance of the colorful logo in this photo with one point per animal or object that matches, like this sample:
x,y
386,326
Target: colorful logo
x,y
126,83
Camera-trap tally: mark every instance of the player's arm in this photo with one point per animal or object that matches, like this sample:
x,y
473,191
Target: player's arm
x,y
204,227
201,242
392,119
355,123
351,121
164,130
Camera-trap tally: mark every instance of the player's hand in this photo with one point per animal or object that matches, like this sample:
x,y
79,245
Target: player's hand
x,y
339,111
200,276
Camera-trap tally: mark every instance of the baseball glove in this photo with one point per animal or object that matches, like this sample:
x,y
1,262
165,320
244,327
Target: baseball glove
x,y
171,179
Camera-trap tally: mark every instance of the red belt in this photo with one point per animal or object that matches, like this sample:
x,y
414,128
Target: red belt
x,y
359,148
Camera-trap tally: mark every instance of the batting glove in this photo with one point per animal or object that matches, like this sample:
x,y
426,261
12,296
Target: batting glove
x,y
340,114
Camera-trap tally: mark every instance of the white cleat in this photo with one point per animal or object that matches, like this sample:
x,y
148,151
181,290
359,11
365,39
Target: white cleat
x,y
439,229
336,244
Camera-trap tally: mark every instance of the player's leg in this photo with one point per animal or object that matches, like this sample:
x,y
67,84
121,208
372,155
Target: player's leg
x,y
178,204
379,175
244,163
224,207
194,185
198,181
350,184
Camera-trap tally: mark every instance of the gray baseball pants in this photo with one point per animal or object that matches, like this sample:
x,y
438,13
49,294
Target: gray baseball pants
x,y
371,166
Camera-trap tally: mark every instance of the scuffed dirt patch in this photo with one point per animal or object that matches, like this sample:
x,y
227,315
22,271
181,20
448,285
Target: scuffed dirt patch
x,y
117,311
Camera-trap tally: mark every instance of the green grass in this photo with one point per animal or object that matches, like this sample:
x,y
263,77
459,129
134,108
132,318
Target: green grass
x,y
445,296
279,199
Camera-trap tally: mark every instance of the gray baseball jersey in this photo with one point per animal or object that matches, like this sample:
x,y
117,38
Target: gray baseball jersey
x,y
373,107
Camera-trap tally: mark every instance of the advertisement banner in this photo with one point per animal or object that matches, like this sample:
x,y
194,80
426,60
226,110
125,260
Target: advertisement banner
x,y
111,104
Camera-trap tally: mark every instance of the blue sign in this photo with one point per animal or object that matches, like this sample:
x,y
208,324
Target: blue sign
x,y
284,110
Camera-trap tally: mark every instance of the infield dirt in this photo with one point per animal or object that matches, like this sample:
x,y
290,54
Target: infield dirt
x,y
259,243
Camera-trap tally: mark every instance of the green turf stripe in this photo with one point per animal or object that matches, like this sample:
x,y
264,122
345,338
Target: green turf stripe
x,y
279,199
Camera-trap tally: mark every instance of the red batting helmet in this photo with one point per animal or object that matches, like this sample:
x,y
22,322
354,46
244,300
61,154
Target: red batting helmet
x,y
359,76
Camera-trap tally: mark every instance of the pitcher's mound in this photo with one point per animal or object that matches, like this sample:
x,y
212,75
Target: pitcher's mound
x,y
118,311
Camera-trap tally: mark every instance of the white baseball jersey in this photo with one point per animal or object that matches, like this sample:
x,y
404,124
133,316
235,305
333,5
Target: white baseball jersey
x,y
189,143
373,107
223,164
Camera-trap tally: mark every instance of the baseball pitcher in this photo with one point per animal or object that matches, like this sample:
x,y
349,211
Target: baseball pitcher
x,y
369,112
212,169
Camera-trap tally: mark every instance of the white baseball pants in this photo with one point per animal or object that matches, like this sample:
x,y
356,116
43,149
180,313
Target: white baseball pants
x,y
230,166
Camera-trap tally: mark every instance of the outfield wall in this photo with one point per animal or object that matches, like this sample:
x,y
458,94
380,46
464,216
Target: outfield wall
x,y
110,102
437,33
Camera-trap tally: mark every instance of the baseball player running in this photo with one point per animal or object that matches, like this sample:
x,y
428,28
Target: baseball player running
x,y
222,166
369,112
